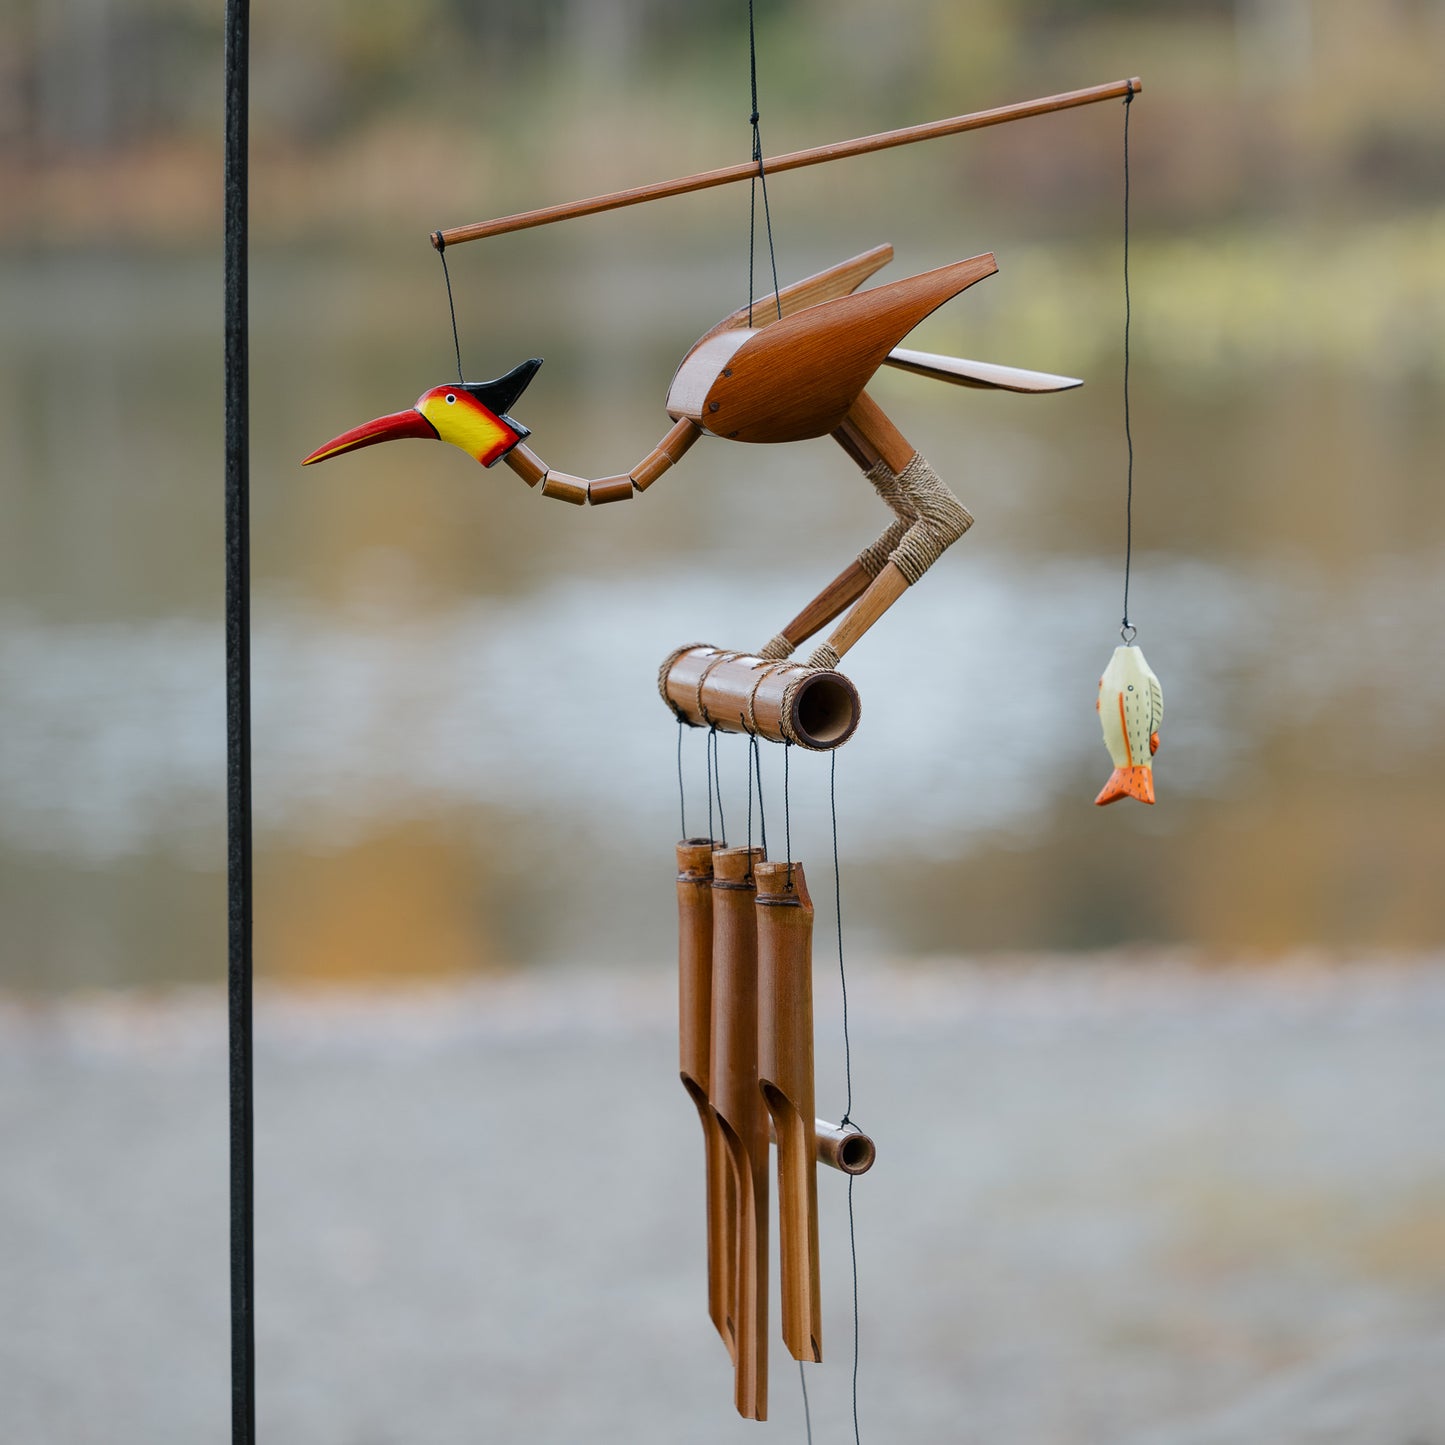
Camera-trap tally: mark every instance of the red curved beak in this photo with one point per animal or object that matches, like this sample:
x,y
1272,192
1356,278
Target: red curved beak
x,y
408,423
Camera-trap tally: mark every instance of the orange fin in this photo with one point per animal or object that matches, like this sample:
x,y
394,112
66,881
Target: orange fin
x,y
1128,783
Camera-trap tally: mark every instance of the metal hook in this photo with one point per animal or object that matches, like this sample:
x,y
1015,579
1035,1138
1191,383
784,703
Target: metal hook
x,y
1128,632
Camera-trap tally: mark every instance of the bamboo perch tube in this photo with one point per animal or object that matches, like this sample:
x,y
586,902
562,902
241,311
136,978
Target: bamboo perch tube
x,y
694,998
785,1078
741,693
794,160
738,1105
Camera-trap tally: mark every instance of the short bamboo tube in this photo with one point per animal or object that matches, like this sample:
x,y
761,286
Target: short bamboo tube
x,y
743,1120
785,1079
694,999
741,693
849,1151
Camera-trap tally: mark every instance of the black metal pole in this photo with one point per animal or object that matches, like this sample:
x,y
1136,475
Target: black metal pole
x,y
238,731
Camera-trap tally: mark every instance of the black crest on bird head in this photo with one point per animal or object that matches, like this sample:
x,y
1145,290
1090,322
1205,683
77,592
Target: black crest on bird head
x,y
501,395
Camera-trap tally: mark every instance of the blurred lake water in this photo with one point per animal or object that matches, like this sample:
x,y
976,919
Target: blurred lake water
x,y
461,762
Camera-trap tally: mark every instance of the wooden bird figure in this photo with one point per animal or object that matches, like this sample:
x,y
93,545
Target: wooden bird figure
x,y
790,366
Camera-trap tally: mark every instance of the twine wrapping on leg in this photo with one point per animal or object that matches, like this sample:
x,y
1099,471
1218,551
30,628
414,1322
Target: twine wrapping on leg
x,y
941,519
929,520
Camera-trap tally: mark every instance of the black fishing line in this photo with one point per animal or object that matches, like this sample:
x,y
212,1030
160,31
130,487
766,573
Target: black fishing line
x,y
757,753
847,1064
441,246
715,776
707,755
853,1251
1127,630
761,177
681,790
787,815
750,805
838,916
240,902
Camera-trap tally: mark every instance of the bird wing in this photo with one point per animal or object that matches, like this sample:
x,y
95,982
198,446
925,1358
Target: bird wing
x,y
985,374
840,280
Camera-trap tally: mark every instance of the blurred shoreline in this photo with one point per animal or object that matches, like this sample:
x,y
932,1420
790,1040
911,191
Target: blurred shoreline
x,y
1203,1203
888,998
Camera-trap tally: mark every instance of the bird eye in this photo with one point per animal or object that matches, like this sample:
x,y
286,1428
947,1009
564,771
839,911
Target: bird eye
x,y
451,398
1131,685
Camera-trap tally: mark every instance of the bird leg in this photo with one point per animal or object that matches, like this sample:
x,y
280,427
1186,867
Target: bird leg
x,y
580,491
928,519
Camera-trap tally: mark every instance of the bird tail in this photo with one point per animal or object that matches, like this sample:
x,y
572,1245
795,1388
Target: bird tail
x,y
1128,783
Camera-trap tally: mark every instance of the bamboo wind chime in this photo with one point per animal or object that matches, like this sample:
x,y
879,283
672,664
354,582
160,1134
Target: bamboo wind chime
x,y
745,997
790,366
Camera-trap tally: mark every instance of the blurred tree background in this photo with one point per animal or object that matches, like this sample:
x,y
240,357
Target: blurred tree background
x,y
1312,108
1290,343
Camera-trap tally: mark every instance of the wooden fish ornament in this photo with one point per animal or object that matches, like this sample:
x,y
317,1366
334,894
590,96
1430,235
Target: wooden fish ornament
x,y
1130,707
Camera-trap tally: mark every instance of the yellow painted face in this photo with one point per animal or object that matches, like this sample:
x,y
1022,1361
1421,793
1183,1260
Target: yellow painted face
x,y
449,413
462,420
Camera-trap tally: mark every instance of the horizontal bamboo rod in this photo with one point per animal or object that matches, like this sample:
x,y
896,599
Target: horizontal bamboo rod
x,y
745,170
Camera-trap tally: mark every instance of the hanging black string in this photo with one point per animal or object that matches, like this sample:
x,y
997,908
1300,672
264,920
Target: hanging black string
x,y
714,773
451,305
750,760
757,753
707,755
681,790
847,1064
1127,630
787,816
853,1252
807,1416
838,915
238,726
760,178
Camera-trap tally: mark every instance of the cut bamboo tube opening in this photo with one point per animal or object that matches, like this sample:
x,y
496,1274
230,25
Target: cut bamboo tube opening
x,y
741,693
785,1079
849,1151
738,1105
694,999
817,155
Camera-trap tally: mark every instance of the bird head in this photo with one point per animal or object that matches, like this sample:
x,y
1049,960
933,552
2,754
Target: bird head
x,y
471,415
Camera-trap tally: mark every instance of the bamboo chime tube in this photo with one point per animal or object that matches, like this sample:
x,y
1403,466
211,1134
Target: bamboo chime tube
x,y
694,995
817,155
738,1105
785,1077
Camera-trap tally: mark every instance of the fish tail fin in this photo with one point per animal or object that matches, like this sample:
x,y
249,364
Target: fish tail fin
x,y
1128,783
